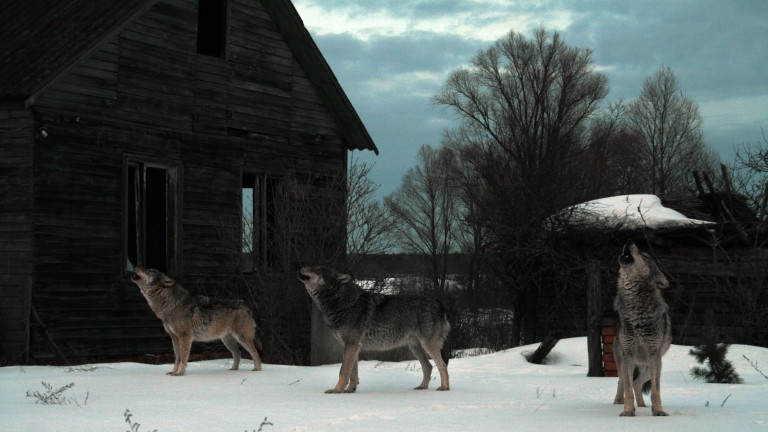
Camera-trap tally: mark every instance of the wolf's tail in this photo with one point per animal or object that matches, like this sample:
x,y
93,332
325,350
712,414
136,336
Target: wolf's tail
x,y
647,386
256,330
446,350
445,353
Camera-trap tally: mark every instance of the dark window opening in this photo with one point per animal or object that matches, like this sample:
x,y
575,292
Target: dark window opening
x,y
259,227
150,217
212,27
157,218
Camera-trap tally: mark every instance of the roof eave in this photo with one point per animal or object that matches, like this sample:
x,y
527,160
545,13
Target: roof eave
x,y
93,47
290,25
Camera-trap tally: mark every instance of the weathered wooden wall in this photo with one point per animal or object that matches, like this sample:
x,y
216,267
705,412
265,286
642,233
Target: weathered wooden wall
x,y
148,93
16,236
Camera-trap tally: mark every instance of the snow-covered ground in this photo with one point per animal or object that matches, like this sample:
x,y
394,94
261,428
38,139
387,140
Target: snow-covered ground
x,y
492,392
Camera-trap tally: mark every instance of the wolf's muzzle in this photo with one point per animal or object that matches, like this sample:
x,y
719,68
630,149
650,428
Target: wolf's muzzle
x,y
626,253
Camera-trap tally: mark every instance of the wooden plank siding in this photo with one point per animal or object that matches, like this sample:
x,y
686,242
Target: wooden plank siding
x,y
147,93
702,279
16,229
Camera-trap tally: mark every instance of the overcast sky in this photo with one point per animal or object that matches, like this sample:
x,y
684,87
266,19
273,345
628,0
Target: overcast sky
x,y
391,56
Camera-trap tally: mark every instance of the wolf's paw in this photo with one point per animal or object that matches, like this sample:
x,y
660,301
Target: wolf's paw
x,y
256,368
333,390
350,390
421,387
627,414
443,388
660,413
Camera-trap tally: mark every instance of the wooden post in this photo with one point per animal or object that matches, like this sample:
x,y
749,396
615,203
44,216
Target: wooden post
x,y
544,349
594,316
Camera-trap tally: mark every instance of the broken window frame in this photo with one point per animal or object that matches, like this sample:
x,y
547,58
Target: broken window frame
x,y
258,220
138,173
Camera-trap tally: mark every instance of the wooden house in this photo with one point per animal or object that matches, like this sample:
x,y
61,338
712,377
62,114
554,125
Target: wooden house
x,y
127,129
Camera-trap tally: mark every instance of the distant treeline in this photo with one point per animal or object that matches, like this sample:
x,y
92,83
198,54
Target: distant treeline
x,y
379,265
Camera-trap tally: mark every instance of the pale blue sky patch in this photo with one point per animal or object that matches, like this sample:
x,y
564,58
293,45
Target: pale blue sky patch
x,y
390,56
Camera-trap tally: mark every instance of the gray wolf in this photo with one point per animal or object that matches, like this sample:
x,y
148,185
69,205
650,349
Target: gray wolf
x,y
372,321
644,330
188,318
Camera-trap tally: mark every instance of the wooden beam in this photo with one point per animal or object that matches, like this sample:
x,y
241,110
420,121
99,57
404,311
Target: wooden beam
x,y
544,349
594,319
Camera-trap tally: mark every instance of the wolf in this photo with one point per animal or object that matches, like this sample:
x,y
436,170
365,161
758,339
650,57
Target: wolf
x,y
188,318
644,331
365,320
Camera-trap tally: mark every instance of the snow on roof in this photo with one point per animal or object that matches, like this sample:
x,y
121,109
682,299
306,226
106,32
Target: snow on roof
x,y
628,212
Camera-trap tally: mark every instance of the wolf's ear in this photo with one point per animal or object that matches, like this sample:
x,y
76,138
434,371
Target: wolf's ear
x,y
662,282
168,281
660,278
345,278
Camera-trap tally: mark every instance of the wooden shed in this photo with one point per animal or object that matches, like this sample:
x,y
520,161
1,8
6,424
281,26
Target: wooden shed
x,y
127,129
718,275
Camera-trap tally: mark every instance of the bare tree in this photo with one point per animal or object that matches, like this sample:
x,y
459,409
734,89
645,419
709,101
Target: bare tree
x,y
470,232
523,107
423,208
369,227
670,126
526,101
751,176
612,159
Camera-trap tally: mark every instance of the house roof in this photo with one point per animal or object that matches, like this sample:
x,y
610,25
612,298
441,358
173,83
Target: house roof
x,y
41,40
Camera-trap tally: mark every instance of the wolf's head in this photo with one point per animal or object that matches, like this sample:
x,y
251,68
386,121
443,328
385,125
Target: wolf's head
x,y
639,266
151,279
319,278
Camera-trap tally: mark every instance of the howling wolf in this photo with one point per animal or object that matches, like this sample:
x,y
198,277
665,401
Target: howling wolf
x,y
188,317
362,319
644,330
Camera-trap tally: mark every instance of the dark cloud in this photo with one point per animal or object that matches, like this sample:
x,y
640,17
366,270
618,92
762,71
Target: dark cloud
x,y
717,49
418,9
387,55
389,80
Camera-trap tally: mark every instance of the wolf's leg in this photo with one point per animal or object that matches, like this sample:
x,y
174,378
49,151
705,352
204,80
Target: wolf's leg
x,y
175,342
185,344
655,366
433,349
619,399
354,379
643,376
626,370
245,336
426,367
231,344
350,358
